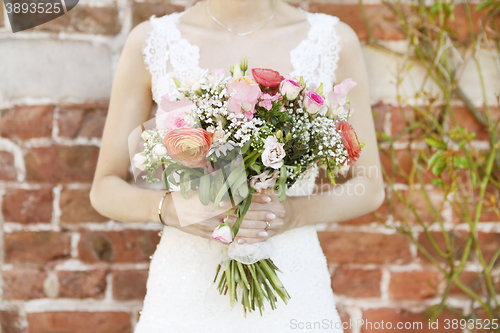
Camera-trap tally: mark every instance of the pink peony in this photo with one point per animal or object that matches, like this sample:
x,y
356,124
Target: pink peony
x,y
188,146
273,153
313,102
350,140
223,233
340,91
267,77
244,100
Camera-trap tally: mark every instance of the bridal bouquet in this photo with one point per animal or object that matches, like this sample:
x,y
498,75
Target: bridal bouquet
x,y
229,137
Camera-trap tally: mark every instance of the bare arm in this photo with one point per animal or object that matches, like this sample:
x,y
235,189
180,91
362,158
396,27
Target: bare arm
x,y
364,192
129,107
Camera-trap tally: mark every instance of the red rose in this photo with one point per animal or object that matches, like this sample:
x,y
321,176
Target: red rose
x,y
350,140
267,77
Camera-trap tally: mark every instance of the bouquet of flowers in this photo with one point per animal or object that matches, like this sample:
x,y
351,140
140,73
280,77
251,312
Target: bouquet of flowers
x,y
229,137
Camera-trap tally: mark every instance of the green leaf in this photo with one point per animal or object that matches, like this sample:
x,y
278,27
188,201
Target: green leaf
x,y
439,167
177,83
483,5
256,167
164,179
185,184
437,182
460,162
434,158
246,147
436,143
204,192
281,182
231,179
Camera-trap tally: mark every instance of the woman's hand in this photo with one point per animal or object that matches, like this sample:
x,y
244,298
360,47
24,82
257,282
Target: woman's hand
x,y
265,206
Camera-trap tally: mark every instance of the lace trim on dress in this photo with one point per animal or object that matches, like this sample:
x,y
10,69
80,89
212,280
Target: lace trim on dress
x,y
166,44
315,57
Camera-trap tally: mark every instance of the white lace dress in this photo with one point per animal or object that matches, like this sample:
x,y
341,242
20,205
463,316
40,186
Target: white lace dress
x,y
181,296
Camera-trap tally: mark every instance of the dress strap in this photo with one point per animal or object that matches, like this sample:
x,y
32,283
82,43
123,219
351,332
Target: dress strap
x,y
167,54
317,56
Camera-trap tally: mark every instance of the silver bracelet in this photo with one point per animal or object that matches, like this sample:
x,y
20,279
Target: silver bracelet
x,y
160,206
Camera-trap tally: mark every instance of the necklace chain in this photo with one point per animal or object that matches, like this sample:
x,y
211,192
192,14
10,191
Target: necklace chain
x,y
241,33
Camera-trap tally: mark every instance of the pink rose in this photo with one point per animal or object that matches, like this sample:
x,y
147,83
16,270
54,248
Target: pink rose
x,y
313,102
188,146
340,91
223,233
273,153
290,89
244,100
267,77
264,180
350,140
173,114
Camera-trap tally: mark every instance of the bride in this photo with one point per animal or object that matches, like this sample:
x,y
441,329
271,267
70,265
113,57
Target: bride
x,y
181,295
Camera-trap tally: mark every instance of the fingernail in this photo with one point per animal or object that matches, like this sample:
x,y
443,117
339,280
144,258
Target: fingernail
x,y
262,234
266,199
241,240
270,216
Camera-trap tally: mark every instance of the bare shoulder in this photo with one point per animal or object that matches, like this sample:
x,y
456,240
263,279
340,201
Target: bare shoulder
x,y
136,39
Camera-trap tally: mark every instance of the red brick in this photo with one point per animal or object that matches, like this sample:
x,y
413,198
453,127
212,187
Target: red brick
x,y
7,166
489,212
465,119
380,18
79,322
75,207
470,280
142,11
118,246
1,14
129,285
26,122
417,199
401,119
9,320
417,285
380,111
356,282
36,246
88,20
361,247
85,120
416,322
27,206
399,168
82,284
61,163
461,25
489,243
23,284
457,239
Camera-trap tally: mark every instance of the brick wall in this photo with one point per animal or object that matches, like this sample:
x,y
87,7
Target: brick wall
x,y
65,268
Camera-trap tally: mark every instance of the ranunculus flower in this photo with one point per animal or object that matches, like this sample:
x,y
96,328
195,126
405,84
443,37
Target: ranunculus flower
x,y
350,140
173,114
290,89
313,102
274,153
244,100
340,91
247,80
267,77
264,180
223,233
188,146
139,160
